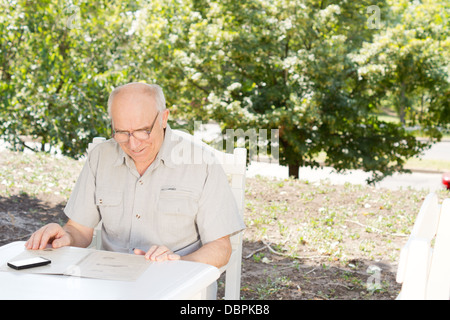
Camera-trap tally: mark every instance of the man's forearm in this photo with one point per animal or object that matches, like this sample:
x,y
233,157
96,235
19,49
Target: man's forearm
x,y
216,253
78,238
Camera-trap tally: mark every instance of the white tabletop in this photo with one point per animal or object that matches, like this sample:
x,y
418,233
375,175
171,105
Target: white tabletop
x,y
162,280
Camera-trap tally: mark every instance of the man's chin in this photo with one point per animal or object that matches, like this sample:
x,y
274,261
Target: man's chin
x,y
141,157
137,154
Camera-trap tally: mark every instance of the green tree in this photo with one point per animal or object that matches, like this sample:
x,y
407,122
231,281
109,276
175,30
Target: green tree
x,y
285,64
407,63
59,63
317,70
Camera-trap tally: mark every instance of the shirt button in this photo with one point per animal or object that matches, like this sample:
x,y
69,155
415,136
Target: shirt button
x,y
100,201
138,216
141,182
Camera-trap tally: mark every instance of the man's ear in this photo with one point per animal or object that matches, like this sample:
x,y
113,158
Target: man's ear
x,y
165,117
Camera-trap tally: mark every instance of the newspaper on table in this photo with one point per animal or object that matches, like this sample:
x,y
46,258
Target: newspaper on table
x,y
88,263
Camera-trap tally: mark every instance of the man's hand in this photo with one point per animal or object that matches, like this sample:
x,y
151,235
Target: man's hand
x,y
52,233
72,234
158,253
216,253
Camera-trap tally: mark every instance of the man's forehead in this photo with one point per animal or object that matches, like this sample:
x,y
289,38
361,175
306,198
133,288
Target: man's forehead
x,y
133,96
131,113
141,103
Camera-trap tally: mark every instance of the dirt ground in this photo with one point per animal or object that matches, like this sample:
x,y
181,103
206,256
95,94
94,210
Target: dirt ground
x,y
273,277
323,242
318,279
304,241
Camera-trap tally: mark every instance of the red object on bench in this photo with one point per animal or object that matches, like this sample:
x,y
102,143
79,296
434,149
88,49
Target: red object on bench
x,y
446,180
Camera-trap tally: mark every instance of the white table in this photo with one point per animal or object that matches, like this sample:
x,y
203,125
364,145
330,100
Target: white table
x,y
167,280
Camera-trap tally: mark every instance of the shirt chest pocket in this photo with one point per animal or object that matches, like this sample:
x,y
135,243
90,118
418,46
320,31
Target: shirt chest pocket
x,y
110,205
108,198
177,210
180,202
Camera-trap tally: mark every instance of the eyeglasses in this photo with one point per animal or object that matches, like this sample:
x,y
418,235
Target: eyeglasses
x,y
124,136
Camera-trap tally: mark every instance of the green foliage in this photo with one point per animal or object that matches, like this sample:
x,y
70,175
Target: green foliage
x,y
55,76
318,71
289,65
407,63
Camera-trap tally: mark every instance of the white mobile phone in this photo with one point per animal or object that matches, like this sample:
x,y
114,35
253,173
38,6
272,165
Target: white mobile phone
x,y
28,263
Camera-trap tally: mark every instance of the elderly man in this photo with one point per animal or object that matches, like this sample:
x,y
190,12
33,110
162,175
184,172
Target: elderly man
x,y
149,203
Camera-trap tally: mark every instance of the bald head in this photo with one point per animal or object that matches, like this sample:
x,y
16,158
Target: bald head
x,y
137,88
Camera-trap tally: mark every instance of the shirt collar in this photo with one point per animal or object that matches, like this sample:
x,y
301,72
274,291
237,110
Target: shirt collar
x,y
122,156
165,152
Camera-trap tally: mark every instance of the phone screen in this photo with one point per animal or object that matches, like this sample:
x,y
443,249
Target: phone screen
x,y
29,263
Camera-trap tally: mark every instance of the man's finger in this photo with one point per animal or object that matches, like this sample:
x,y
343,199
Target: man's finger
x,y
36,239
139,252
153,252
45,237
173,256
29,243
158,253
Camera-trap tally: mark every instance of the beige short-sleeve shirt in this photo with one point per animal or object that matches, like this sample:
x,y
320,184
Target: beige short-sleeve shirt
x,y
178,202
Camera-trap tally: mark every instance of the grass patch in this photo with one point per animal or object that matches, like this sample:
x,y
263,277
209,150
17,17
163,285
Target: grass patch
x,y
303,240
428,164
37,173
339,222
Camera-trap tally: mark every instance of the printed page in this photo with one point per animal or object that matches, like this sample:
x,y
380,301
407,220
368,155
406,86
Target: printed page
x,y
112,266
89,263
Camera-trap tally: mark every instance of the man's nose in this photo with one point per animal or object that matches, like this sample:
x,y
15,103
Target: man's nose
x,y
134,143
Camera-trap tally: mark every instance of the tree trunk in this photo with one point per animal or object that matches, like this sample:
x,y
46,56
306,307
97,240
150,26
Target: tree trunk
x,y
402,106
294,171
293,160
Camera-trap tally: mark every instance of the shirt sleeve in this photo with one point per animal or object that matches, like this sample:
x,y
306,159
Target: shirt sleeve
x,y
218,214
81,206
